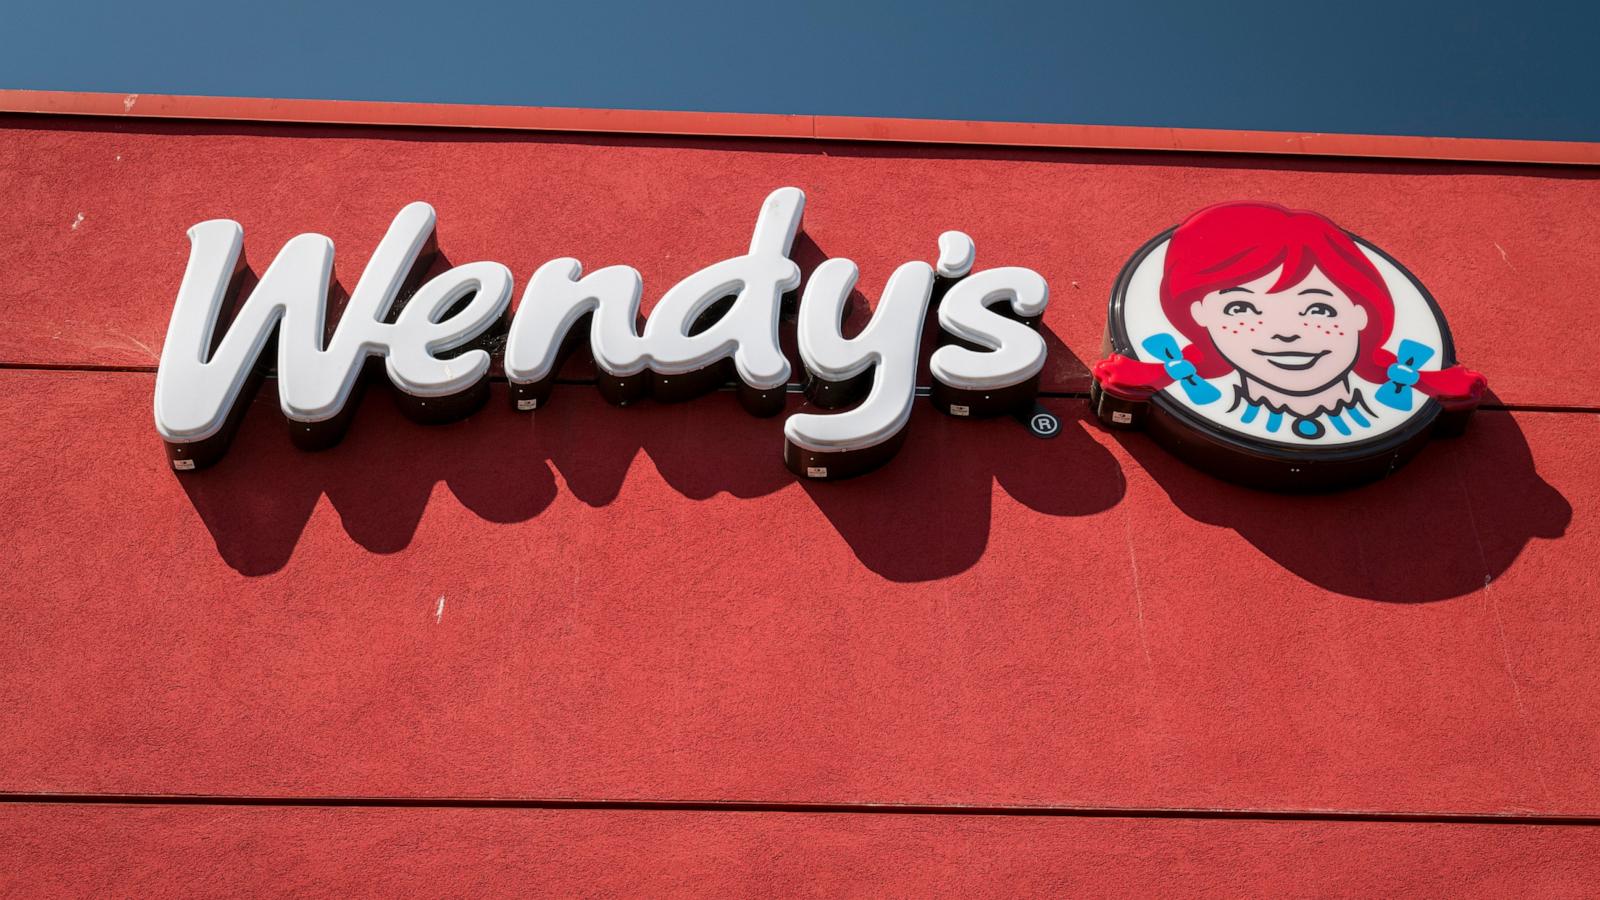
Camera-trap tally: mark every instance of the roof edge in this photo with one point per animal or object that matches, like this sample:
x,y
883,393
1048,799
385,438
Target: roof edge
x,y
804,127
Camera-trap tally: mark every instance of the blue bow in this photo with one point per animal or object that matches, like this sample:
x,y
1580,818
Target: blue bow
x,y
1396,392
1181,370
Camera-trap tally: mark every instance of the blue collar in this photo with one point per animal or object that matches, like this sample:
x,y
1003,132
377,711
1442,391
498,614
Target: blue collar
x,y
1341,417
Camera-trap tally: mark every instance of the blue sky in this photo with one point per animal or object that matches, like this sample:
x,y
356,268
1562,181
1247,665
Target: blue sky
x,y
1468,69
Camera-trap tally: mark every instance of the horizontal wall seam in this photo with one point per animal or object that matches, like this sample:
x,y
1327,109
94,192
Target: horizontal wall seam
x,y
734,806
792,387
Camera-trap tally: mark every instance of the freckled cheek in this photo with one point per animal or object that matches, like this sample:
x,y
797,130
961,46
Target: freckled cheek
x,y
1345,347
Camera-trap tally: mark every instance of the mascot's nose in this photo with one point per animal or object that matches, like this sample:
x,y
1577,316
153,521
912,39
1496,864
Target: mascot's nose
x,y
1286,338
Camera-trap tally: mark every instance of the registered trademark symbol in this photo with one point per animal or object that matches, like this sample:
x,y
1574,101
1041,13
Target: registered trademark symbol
x,y
1044,425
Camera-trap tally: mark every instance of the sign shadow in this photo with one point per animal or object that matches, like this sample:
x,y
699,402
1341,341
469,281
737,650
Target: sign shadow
x,y
1446,524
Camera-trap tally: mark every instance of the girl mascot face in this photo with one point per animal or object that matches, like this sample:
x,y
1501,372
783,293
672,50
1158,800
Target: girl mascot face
x,y
1298,339
1292,313
1282,297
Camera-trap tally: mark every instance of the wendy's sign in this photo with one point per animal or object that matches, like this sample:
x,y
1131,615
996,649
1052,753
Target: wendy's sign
x,y
718,325
1272,348
1263,344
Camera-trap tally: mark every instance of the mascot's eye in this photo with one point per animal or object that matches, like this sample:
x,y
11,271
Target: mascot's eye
x,y
1320,309
1242,307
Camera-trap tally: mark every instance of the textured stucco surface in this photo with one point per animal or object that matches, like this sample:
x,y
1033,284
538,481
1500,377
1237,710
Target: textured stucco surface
x,y
1508,251
641,603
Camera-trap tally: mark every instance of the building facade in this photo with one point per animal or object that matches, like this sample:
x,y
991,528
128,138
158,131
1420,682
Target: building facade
x,y
594,647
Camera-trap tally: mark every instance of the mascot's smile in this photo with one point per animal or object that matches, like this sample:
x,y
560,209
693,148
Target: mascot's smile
x,y
1292,360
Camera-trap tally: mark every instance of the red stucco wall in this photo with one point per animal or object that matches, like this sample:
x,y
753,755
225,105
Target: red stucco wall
x,y
610,604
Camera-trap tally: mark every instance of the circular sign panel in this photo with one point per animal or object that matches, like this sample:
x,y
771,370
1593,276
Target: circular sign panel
x,y
1273,348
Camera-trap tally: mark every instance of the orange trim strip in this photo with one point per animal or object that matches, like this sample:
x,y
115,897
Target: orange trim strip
x,y
424,115
1209,140
844,128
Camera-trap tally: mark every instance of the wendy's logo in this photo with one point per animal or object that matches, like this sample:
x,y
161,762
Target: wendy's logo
x,y
1272,348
